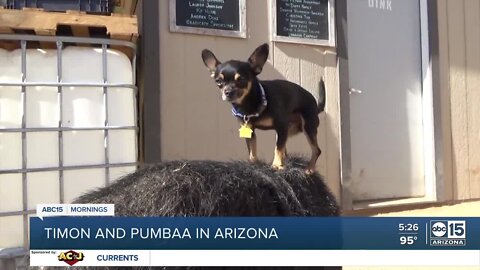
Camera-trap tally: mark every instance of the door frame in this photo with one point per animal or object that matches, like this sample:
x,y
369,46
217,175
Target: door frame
x,y
434,175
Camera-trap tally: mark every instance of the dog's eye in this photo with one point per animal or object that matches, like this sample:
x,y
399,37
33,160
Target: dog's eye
x,y
241,81
219,82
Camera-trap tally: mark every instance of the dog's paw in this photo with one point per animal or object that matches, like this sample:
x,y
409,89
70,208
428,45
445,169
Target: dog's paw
x,y
278,166
309,171
253,159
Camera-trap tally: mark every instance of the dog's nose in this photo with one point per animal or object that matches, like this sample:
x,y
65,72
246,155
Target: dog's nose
x,y
228,93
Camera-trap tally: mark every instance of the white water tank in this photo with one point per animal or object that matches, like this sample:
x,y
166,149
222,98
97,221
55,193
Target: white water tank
x,y
85,146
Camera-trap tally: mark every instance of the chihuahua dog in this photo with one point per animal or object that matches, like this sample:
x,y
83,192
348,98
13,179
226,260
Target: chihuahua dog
x,y
280,105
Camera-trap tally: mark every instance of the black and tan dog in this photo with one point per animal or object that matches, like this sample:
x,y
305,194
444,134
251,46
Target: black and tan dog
x,y
277,104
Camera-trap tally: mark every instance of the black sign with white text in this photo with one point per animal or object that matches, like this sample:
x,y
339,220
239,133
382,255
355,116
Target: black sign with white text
x,y
210,14
303,19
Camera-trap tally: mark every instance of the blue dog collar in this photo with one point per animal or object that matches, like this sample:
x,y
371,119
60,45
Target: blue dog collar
x,y
262,107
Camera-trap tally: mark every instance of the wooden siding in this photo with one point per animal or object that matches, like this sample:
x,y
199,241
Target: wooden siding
x,y
459,37
197,124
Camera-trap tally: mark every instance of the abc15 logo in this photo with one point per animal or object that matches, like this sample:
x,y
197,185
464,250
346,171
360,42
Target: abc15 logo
x,y
451,229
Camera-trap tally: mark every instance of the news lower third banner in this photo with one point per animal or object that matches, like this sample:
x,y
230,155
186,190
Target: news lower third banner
x,y
237,241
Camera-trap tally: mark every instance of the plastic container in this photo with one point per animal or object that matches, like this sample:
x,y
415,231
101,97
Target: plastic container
x,y
78,108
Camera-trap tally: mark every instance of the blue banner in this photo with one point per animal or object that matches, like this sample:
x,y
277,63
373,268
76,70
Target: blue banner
x,y
254,233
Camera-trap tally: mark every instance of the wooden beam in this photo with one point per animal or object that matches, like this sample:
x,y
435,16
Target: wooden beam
x,y
47,22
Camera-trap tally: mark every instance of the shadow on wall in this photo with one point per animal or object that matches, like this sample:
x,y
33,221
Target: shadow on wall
x,y
306,65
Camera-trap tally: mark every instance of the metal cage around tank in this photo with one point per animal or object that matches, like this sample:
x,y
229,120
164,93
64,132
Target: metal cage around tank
x,y
60,42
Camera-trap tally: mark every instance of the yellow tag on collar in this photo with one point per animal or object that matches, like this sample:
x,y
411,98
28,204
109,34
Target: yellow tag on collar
x,y
245,131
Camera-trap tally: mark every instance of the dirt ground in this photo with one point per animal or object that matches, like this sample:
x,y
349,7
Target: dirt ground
x,y
467,209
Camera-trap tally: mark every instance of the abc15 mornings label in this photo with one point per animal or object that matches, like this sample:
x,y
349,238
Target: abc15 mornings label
x,y
448,233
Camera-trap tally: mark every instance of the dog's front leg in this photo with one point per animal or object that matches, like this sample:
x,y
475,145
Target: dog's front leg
x,y
280,148
252,147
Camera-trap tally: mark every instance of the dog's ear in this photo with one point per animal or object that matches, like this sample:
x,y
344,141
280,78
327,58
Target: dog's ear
x,y
211,62
258,58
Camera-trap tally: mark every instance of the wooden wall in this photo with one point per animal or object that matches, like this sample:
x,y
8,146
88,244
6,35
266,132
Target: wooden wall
x,y
197,124
459,37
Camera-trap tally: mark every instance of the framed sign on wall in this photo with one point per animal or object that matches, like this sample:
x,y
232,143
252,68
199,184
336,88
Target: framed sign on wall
x,y
209,17
304,21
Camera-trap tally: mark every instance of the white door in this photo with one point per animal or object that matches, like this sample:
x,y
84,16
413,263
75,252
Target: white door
x,y
386,121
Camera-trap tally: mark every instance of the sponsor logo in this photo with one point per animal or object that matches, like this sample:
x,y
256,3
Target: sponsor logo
x,y
71,257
